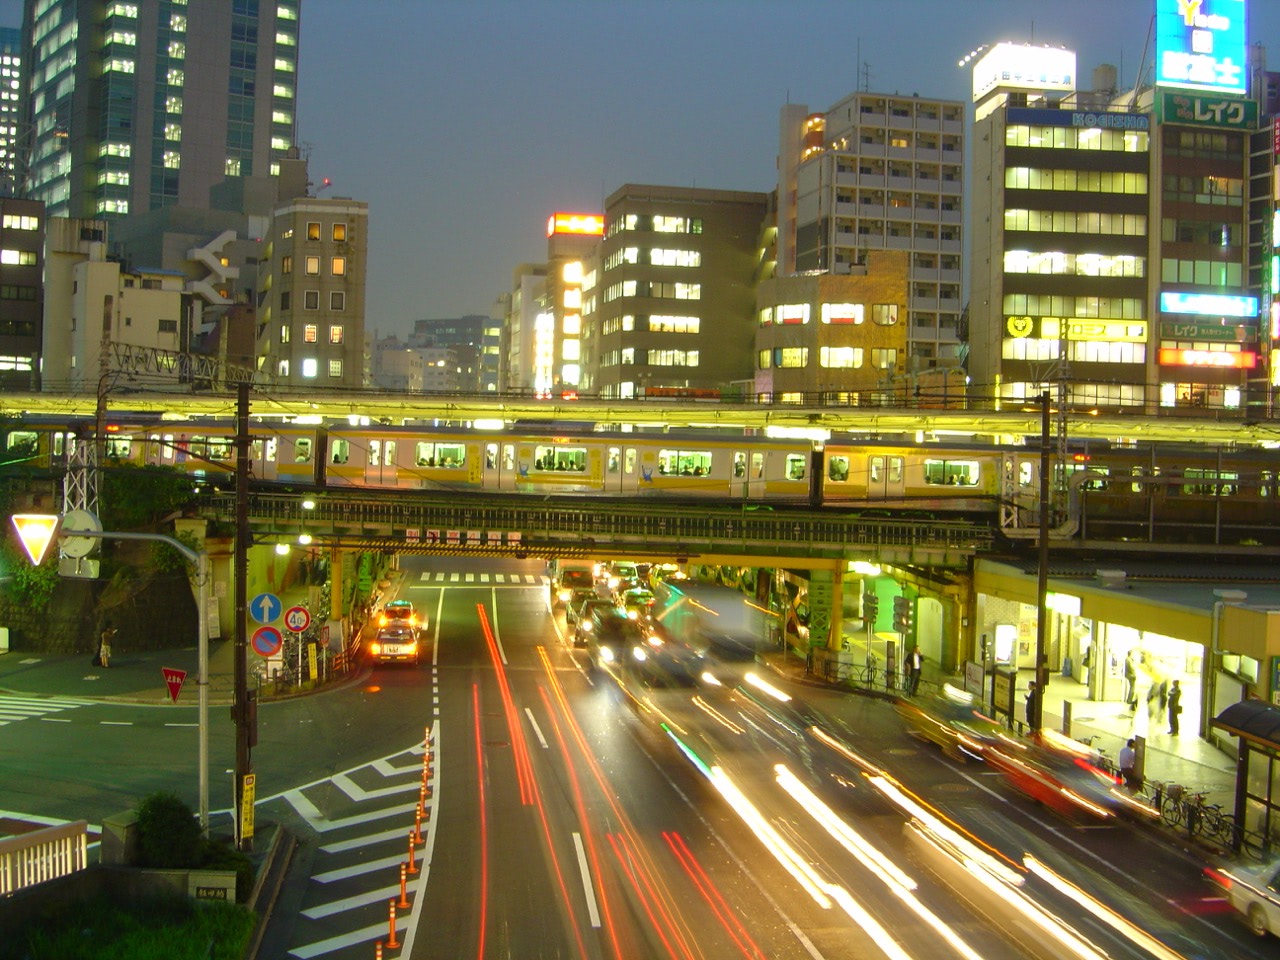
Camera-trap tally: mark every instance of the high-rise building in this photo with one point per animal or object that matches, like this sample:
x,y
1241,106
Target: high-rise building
x,y
12,127
672,306
474,342
145,104
879,172
312,310
22,239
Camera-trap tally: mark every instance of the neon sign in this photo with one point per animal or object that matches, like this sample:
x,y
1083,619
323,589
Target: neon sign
x,y
1209,304
1200,45
583,224
1171,357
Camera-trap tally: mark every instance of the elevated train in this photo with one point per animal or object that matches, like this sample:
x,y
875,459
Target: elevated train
x,y
1125,486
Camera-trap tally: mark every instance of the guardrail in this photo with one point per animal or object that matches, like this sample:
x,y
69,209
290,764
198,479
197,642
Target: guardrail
x,y
41,855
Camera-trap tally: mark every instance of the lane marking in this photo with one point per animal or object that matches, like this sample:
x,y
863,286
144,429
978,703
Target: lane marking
x,y
534,723
587,888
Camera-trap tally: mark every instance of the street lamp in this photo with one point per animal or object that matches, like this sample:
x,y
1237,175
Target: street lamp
x,y
38,531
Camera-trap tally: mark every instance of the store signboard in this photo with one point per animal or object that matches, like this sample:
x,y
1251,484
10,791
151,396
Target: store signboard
x,y
1208,304
1231,113
1200,45
1217,332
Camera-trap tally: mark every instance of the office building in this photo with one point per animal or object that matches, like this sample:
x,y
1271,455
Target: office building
x,y
12,127
22,240
520,310
149,103
474,340
670,309
879,172
312,313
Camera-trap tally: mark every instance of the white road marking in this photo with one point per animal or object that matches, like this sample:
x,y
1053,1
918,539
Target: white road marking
x,y
592,910
534,723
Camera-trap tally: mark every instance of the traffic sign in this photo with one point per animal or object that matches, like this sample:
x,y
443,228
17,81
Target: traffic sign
x,y
297,619
174,678
37,531
267,641
265,607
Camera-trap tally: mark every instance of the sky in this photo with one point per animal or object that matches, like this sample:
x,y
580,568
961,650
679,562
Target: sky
x,y
465,123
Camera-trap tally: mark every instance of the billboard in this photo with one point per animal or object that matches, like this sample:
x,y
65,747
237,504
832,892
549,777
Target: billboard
x,y
586,224
1201,44
1208,304
1022,66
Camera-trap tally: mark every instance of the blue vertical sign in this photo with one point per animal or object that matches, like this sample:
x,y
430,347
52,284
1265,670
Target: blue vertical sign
x,y
1202,45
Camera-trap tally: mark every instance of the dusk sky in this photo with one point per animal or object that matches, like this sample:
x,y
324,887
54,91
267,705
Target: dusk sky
x,y
465,124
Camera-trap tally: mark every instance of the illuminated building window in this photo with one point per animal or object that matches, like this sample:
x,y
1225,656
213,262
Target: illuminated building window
x,y
118,65
309,367
172,159
286,264
309,333
335,368
22,258
659,323
337,300
673,358
627,356
175,77
177,50
338,266
339,232
1029,348
1068,221
1214,273
572,272
572,298
16,222
675,258
335,333
313,230
282,90
312,266
126,37
286,40
177,23
842,313
1073,264
284,66
232,167
284,333
884,314
845,358
791,313
882,358
1214,191
571,325
790,357
1072,138
282,368
117,149
1075,181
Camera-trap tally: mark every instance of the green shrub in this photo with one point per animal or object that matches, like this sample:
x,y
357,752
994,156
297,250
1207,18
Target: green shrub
x,y
168,833
221,855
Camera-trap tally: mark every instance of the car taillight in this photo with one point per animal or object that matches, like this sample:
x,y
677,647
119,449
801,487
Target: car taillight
x,y
375,648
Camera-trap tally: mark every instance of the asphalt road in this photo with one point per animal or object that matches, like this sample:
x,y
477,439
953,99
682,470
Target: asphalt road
x,y
576,812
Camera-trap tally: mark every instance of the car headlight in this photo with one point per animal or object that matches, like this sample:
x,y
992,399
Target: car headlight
x,y
375,648
606,654
564,595
639,654
633,614
586,626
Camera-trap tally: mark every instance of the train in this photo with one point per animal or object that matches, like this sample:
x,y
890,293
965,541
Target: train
x,y
1124,485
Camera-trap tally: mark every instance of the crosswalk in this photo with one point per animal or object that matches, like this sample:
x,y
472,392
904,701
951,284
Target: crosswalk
x,y
14,707
460,579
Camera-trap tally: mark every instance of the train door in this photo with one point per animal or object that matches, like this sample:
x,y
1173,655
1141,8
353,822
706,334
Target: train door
x,y
499,471
756,480
380,468
885,476
739,485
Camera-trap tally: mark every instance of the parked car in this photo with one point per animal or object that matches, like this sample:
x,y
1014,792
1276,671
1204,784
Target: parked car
x,y
397,643
1254,892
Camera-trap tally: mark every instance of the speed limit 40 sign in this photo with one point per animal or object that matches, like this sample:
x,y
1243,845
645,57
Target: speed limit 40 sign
x,y
297,619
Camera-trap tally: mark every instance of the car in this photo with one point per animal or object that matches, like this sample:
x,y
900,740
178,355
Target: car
x,y
589,612
395,644
401,613
953,721
573,605
623,571
610,636
1254,892
638,602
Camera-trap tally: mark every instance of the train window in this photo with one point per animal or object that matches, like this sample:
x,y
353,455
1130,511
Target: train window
x,y
375,453
739,465
1026,473
155,449
341,451
895,469
615,460
118,447
684,463
178,447
424,454
389,453
556,457
273,449
452,454
302,450
63,442
875,471
1266,484
255,450
219,448
1136,487
838,469
962,473
629,463
21,443
757,465
490,456
1221,483
508,456
795,466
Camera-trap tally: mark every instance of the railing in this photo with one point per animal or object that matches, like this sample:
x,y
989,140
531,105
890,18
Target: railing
x,y
41,855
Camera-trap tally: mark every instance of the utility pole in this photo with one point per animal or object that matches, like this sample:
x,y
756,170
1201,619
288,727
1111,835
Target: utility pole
x,y
242,713
1042,580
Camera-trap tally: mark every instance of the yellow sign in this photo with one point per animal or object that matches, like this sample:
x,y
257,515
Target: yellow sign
x,y
248,792
1020,326
37,531
1112,331
311,661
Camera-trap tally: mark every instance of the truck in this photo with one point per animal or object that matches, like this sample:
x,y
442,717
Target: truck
x,y
570,579
710,620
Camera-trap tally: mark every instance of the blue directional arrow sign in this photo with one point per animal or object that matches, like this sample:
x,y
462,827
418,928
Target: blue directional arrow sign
x,y
265,607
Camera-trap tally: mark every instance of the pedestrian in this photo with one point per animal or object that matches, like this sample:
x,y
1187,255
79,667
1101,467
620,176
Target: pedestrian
x,y
1175,706
1130,682
915,660
1128,762
104,648
1033,706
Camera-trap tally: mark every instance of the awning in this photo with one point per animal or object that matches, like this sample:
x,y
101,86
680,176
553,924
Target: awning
x,y
1256,721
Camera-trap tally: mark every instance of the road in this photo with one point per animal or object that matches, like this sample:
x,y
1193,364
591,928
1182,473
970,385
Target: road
x,y
577,812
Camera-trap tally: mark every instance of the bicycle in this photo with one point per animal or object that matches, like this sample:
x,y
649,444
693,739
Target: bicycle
x,y
868,676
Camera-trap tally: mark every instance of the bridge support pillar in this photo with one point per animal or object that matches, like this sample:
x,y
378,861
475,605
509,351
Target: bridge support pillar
x,y
826,606
337,593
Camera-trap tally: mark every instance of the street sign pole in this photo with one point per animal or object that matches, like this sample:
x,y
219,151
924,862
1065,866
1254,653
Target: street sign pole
x,y
243,767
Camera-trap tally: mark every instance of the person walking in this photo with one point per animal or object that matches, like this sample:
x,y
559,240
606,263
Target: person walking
x,y
1175,706
915,660
104,647
1033,706
1130,682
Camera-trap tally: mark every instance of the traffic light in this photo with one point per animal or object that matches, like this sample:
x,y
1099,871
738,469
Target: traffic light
x,y
870,608
903,614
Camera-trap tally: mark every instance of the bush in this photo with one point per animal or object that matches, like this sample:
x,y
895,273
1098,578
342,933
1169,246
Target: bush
x,y
221,855
168,833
